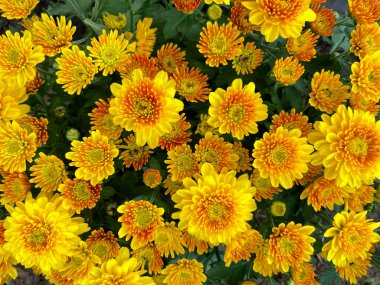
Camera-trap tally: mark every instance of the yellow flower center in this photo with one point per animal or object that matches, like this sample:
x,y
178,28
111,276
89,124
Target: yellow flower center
x,y
169,64
80,192
288,72
235,113
14,146
189,86
144,217
100,250
216,211
147,254
17,188
39,236
358,147
185,161
282,8
108,122
218,45
52,172
287,245
109,55
151,179
143,108
79,73
95,156
303,273
13,56
210,156
162,238
278,155
260,182
185,275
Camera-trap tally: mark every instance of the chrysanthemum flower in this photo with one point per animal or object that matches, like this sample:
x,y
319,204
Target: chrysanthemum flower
x,y
149,255
78,194
133,154
260,263
360,197
145,37
303,274
264,188
280,18
250,58
357,102
177,136
240,18
290,245
352,237
365,39
103,244
172,186
282,156
139,61
214,12
204,127
184,272
312,172
19,57
347,144
303,47
216,207
43,232
102,120
139,221
242,246
364,11
248,282
7,271
219,2
193,244
16,9
93,156
365,77
291,121
355,269
170,57
219,44
11,97
15,186
187,6
325,193
37,126
213,149
16,147
288,70
115,22
191,84
324,22
182,162
278,209
48,172
245,161
145,106
33,85
75,70
152,178
168,241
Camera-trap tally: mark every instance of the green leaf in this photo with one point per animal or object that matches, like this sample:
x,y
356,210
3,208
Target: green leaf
x,y
329,275
173,19
107,192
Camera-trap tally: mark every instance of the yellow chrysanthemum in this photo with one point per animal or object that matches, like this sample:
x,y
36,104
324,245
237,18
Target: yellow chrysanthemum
x,y
219,2
115,22
48,172
15,186
151,256
245,160
37,126
282,156
219,43
170,57
303,47
182,162
324,22
264,188
216,207
365,11
365,77
133,154
260,263
93,156
291,121
172,186
355,269
214,12
347,144
75,70
33,85
184,272
168,241
7,271
352,237
250,58
240,18
16,147
145,37
312,172
365,39
177,136
110,51
357,102
43,232
237,109
287,70
16,9
278,209
11,97
19,57
360,197
145,106
248,282
152,178
187,6
204,127
303,274
280,18
139,221
290,245
193,244
103,244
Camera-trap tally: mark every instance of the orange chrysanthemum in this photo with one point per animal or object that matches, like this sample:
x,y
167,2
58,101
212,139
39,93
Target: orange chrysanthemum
x,y
365,11
245,161
355,269
193,244
152,178
102,120
365,39
213,149
145,37
360,197
16,9
11,97
187,6
303,47
204,127
327,91
303,274
219,44
182,162
37,126
139,221
14,188
33,85
290,245
324,22
184,272
291,121
79,194
177,136
133,154
139,61
260,263
103,244
264,188
75,70
312,172
169,57
282,156
191,84
240,18
357,102
288,70
347,144
172,186
250,58
93,156
148,255
168,241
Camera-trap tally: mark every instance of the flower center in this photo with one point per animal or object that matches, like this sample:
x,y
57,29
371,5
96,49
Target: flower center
x,y
143,108
17,188
287,245
13,56
216,211
95,156
109,55
151,179
210,156
218,45
235,113
169,64
262,182
80,192
185,161
80,73
358,147
144,217
14,146
185,275
189,86
282,9
278,156
108,122
100,250
52,172
147,254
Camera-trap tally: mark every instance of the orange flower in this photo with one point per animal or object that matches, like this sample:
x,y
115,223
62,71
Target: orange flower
x,y
177,136
219,44
139,61
186,6
365,39
355,269
193,244
182,162
303,274
245,161
15,187
360,197
16,9
260,263
32,86
303,47
264,188
172,186
103,244
240,18
324,23
250,58
288,70
313,171
149,255
291,121
145,37
170,57
357,102
364,11
133,154
36,126
152,178
184,272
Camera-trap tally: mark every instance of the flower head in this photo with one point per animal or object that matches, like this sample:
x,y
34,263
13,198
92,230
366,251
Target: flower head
x,y
365,39
14,188
261,264
139,61
240,18
184,272
364,11
133,154
360,197
303,274
187,6
145,37
245,160
288,70
250,58
170,57
151,256
278,209
167,239
16,9
152,178
264,188
115,22
324,22
193,244
103,244
355,269
36,126
291,121
177,136
303,47
11,97
182,162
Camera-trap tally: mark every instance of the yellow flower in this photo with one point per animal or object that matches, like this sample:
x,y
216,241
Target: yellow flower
x,y
7,271
16,9
291,121
214,12
182,162
184,272
150,255
103,244
139,61
115,22
282,156
11,97
303,274
133,154
172,186
313,171
280,18
360,197
93,156
264,188
75,70
145,37
203,127
110,51
216,207
347,144
19,57
240,18
193,244
237,109
245,161
48,172
250,58
145,106
365,39
16,147
139,221
355,269
152,178
290,245
15,187
278,209
187,6
219,44
177,136
364,11
303,47
260,263
43,232
287,71
167,239
33,85
170,57
37,126
324,22
352,237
